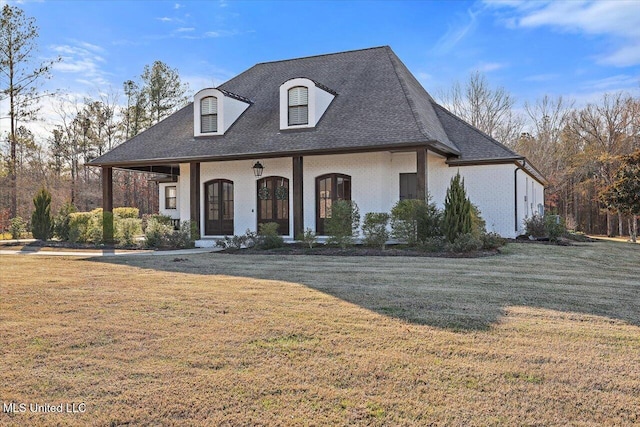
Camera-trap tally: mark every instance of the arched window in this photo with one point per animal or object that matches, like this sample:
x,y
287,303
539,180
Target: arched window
x,y
209,114
298,106
329,188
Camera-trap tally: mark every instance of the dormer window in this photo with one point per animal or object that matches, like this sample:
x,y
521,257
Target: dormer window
x,y
298,106
303,103
209,114
216,110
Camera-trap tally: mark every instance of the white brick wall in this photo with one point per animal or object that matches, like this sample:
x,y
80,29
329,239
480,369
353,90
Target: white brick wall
x,y
173,213
375,186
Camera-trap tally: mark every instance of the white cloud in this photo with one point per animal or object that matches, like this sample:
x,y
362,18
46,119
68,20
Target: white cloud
x,y
178,6
618,20
185,30
83,59
486,67
164,19
456,33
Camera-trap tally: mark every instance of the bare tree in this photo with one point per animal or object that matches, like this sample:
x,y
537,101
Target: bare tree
x,y
489,109
20,79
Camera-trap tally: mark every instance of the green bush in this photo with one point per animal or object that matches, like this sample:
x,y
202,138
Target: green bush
x,y
127,229
181,238
555,227
457,217
478,224
375,230
61,226
157,233
492,241
534,226
126,212
309,238
413,221
79,226
464,243
268,236
41,221
551,226
17,227
433,244
343,224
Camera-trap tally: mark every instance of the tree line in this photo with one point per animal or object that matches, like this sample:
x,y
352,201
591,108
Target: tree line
x,y
583,152
86,128
586,153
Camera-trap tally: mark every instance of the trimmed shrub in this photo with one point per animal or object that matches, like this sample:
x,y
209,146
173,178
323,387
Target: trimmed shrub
x,y
343,224
413,221
466,242
309,238
268,236
457,217
375,230
61,226
17,227
79,225
126,212
127,229
41,221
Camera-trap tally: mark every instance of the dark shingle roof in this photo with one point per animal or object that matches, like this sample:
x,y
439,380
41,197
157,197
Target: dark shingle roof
x,y
379,104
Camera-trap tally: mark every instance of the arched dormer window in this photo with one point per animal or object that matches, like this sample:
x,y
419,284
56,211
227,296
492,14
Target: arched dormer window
x,y
209,114
216,110
303,102
298,106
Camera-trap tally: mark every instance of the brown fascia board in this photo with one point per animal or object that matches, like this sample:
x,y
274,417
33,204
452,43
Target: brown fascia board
x,y
528,168
249,156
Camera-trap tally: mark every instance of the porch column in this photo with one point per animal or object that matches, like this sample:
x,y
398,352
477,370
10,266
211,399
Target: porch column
x,y
422,185
107,204
298,205
194,194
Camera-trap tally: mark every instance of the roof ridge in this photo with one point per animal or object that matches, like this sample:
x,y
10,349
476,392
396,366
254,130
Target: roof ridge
x,y
323,54
469,125
411,102
404,90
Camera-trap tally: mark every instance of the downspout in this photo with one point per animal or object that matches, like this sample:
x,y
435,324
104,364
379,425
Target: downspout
x,y
515,193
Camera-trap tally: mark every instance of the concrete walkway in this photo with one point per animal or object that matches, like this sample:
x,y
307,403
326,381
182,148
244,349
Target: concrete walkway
x,y
30,250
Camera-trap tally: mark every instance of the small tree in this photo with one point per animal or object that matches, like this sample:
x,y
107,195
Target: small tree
x,y
457,217
41,221
61,223
343,224
375,230
415,221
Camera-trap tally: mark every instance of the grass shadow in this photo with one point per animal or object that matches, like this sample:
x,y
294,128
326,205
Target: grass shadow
x,y
601,279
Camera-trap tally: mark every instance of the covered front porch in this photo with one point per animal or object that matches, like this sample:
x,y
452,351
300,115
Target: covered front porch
x,y
227,197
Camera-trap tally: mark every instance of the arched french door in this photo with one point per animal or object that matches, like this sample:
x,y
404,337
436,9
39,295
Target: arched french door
x,y
218,213
273,202
329,188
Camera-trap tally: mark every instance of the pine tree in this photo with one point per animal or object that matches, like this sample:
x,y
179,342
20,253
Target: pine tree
x,y
457,210
41,221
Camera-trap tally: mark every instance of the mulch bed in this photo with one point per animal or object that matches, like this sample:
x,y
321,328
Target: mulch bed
x,y
297,249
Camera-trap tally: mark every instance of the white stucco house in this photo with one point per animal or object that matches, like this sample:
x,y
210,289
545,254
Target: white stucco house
x,y
352,125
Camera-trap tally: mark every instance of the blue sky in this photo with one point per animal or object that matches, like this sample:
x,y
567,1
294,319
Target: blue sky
x,y
578,49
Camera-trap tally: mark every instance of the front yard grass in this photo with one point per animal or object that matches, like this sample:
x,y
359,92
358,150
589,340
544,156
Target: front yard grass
x,y
542,335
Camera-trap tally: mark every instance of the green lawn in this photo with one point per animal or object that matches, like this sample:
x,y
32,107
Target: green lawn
x,y
541,335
